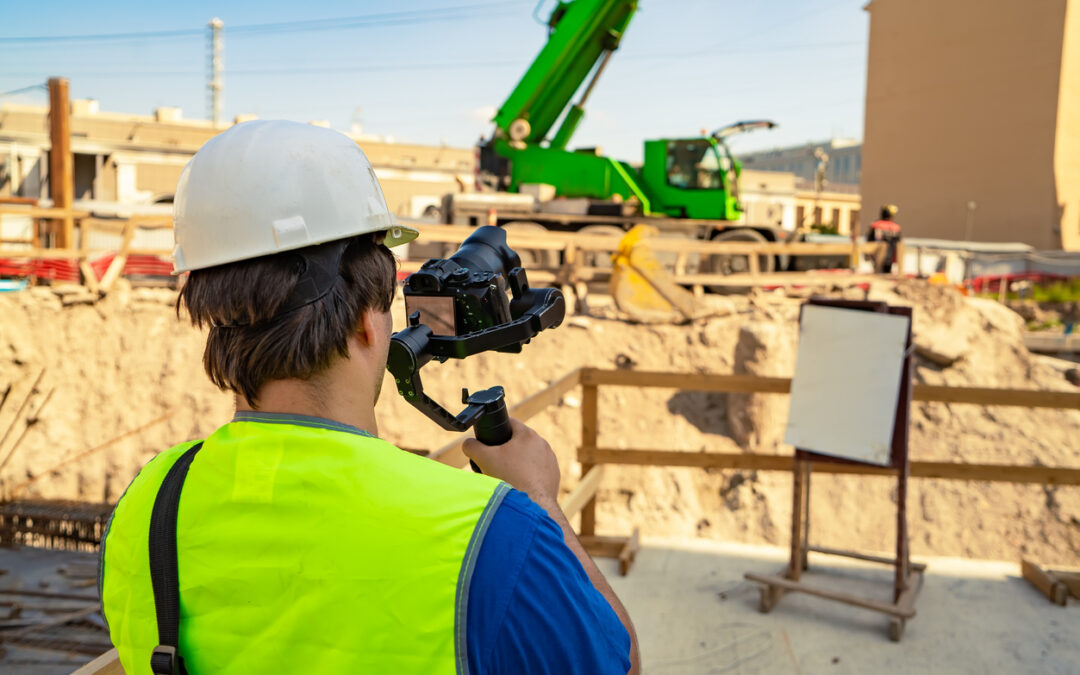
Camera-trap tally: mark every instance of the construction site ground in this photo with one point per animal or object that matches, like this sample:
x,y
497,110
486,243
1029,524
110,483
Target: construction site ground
x,y
695,615
127,363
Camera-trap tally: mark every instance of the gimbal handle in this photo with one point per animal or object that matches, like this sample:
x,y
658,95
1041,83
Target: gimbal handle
x,y
492,427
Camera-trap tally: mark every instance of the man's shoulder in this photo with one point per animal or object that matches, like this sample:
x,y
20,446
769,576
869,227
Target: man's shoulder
x,y
147,482
531,601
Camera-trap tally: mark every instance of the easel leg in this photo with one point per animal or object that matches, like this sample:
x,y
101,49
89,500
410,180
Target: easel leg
x,y
798,515
806,519
903,561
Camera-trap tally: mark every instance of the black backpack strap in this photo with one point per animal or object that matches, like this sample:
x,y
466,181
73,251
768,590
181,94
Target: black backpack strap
x,y
163,566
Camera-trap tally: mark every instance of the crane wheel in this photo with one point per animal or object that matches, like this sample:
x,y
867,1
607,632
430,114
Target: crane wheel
x,y
532,258
599,259
736,264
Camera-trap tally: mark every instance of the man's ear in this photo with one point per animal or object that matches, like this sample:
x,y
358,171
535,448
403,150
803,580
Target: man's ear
x,y
367,327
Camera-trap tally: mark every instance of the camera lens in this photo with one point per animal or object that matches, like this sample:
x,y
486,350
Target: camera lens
x,y
487,250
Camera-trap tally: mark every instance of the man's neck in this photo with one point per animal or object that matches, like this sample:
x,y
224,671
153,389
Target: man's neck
x,y
348,405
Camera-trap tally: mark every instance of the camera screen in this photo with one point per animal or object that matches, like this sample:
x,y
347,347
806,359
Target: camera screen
x,y
436,312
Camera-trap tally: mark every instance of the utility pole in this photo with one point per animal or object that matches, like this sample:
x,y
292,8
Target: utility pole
x,y
217,83
969,231
61,161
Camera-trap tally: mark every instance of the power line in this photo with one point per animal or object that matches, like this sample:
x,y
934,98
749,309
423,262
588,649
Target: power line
x,y
339,23
432,66
23,90
298,70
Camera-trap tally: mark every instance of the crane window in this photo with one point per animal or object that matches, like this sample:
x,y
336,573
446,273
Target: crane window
x,y
695,165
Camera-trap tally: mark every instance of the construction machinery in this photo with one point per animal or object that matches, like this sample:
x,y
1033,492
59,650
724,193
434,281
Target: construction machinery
x,y
526,173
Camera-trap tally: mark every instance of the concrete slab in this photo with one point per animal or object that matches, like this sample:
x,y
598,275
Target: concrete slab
x,y
695,613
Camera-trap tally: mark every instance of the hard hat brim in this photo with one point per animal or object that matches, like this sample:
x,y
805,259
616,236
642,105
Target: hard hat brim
x,y
396,235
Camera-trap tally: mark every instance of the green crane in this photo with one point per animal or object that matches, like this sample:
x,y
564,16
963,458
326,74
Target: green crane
x,y
680,178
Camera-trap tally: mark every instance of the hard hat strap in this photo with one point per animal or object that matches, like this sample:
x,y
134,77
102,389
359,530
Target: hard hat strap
x,y
320,269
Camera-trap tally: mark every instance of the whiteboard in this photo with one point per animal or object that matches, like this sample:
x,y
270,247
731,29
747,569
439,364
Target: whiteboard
x,y
846,386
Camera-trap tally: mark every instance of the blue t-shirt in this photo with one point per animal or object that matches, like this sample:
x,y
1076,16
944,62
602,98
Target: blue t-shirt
x,y
532,609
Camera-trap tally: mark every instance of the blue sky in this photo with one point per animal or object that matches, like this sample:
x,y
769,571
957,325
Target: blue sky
x,y
435,71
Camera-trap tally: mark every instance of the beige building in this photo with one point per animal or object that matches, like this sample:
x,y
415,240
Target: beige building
x,y
136,160
973,119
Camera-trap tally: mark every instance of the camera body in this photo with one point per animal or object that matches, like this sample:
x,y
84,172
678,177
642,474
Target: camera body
x,y
470,291
477,300
457,300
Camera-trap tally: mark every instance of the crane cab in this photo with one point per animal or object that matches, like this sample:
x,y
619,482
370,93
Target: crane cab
x,y
691,178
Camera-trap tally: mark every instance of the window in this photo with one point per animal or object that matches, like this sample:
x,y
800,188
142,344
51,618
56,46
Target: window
x,y
695,165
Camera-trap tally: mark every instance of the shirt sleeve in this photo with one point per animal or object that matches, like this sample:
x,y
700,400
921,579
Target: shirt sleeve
x,y
532,608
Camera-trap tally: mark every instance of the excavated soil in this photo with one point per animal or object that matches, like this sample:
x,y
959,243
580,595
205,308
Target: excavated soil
x,y
126,361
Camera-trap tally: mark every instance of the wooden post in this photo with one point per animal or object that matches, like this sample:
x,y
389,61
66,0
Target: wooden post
x,y
589,417
61,161
854,246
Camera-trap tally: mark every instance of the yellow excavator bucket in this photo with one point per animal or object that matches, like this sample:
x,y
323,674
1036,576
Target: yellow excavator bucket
x,y
642,288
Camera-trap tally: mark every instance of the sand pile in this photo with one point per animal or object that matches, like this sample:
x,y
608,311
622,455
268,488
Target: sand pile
x,y
127,361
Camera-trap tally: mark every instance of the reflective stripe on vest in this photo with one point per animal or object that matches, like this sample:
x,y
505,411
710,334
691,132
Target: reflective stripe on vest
x,y
304,549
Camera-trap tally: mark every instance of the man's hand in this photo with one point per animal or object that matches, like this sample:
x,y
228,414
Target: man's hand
x,y
525,461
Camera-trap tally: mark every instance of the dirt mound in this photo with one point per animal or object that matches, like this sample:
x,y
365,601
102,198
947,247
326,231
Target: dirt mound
x,y
126,361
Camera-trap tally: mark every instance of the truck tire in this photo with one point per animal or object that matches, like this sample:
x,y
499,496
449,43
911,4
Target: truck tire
x,y
599,259
533,258
739,264
736,264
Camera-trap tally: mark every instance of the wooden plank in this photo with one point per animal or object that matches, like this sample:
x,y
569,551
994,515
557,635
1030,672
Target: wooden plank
x,y
1046,584
589,433
812,279
41,253
528,407
603,546
782,385
1071,580
43,212
985,396
824,550
846,598
583,493
629,552
593,242
999,473
106,664
90,279
686,381
116,267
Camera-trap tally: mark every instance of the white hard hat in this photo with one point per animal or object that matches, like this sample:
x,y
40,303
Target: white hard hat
x,y
269,186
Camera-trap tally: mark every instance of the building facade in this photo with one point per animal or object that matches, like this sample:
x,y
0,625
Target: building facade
x,y
973,119
136,160
843,165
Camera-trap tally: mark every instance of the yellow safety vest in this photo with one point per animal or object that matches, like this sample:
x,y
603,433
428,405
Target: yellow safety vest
x,y
304,546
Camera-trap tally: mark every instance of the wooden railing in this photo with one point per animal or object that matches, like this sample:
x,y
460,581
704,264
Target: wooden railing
x,y
593,457
573,249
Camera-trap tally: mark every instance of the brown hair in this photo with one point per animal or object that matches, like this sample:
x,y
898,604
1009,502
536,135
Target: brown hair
x,y
248,346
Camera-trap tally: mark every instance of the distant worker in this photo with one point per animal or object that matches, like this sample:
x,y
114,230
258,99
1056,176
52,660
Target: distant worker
x,y
301,542
888,231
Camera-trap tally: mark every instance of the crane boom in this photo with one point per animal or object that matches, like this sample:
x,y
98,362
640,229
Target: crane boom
x,y
583,33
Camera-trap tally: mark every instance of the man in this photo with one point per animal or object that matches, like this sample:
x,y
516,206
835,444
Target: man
x,y
887,231
303,543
